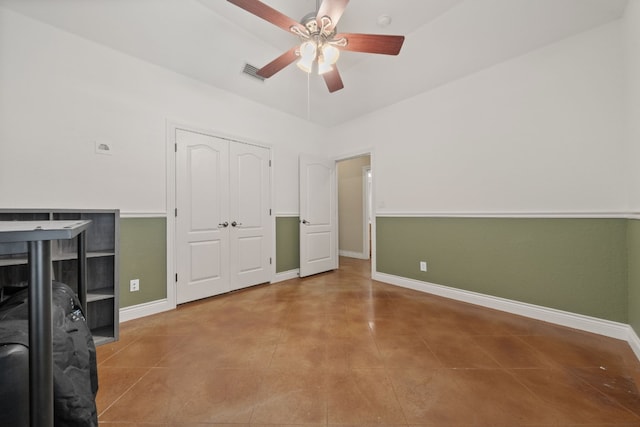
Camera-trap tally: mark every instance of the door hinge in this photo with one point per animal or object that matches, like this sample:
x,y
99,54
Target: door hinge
x,y
270,260
176,212
269,163
175,147
176,277
269,212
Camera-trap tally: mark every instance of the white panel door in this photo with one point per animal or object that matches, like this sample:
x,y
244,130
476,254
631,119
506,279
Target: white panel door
x,y
202,238
249,215
318,216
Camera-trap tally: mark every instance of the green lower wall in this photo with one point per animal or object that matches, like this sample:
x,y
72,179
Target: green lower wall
x,y
143,255
633,244
575,265
287,244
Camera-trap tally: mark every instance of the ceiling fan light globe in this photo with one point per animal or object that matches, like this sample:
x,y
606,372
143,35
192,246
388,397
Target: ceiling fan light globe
x,y
308,51
305,65
324,66
330,53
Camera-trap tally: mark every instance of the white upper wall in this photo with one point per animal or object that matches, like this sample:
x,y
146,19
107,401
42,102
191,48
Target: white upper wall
x,y
632,67
540,133
60,93
544,132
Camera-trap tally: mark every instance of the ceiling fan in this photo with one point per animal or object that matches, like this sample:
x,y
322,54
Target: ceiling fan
x,y
321,43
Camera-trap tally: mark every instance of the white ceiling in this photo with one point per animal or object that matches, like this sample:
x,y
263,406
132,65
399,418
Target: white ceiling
x,y
211,40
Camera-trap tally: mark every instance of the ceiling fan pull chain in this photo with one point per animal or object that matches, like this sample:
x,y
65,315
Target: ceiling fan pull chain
x,y
308,97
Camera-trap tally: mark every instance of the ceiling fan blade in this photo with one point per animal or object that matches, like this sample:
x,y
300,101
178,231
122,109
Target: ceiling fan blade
x,y
278,64
333,9
333,80
267,13
372,43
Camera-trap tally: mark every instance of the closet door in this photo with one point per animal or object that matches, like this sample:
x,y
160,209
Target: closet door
x,y
202,230
249,215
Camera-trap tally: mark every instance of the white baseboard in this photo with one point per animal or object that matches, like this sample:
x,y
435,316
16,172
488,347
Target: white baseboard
x,y
286,275
159,306
634,342
143,214
145,309
558,317
351,254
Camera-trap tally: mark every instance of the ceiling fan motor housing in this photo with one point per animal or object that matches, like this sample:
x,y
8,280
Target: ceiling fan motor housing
x,y
324,30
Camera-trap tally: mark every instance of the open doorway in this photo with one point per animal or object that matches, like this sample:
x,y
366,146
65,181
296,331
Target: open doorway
x,y
354,207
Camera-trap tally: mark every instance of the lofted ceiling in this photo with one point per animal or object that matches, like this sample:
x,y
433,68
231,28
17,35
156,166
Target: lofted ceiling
x,y
211,40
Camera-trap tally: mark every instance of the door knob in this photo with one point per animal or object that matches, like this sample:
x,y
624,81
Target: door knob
x,y
305,222
223,225
235,224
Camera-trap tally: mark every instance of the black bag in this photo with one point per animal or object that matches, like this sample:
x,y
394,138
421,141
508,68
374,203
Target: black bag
x,y
14,370
75,374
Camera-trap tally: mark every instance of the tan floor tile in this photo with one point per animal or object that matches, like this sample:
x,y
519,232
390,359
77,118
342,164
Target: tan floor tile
x,y
147,351
219,354
291,356
482,321
117,424
363,396
392,326
282,425
106,351
174,323
459,351
156,398
581,350
291,397
432,397
512,352
498,399
353,353
616,383
574,400
220,396
406,351
285,425
186,395
113,382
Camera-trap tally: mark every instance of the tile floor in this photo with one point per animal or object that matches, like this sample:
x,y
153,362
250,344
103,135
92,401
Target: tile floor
x,y
341,349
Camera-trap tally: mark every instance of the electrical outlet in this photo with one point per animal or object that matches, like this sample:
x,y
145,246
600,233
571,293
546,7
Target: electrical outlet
x,y
423,265
134,285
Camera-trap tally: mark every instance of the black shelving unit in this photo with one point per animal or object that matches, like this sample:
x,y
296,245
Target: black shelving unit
x,y
100,299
